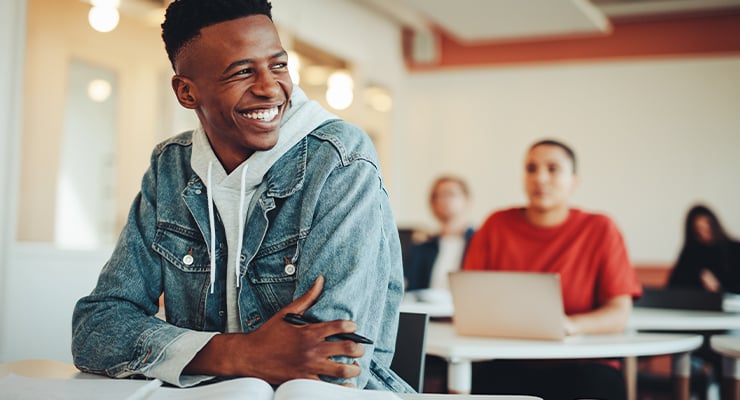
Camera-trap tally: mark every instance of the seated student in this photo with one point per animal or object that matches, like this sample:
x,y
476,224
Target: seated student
x,y
251,216
431,261
709,261
710,258
598,280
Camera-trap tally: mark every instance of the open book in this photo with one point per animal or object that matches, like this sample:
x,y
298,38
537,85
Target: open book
x,y
21,387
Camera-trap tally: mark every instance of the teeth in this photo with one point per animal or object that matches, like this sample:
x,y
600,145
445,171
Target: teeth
x,y
262,115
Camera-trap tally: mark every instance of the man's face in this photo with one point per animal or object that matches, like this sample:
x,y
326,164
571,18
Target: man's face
x,y
235,76
548,178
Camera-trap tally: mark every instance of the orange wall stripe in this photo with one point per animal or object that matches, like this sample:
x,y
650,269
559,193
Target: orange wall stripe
x,y
686,36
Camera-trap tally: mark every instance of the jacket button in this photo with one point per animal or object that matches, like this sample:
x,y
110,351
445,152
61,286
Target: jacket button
x,y
187,259
289,269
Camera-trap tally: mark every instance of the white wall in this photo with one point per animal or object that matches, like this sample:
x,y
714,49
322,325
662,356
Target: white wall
x,y
651,136
12,26
43,285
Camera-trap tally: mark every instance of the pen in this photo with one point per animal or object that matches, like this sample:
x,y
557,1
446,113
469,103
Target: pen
x,y
144,391
298,319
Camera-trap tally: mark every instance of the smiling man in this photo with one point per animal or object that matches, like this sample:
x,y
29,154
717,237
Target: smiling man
x,y
251,216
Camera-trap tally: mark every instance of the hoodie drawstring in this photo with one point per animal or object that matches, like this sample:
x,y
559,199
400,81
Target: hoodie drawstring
x,y
212,222
240,238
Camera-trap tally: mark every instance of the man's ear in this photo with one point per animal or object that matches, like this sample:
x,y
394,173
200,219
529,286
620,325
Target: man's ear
x,y
185,91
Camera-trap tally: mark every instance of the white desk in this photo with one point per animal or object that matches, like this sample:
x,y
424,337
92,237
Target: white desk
x,y
461,351
56,369
662,319
674,320
729,347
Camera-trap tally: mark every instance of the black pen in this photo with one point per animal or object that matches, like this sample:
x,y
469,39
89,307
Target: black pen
x,y
298,319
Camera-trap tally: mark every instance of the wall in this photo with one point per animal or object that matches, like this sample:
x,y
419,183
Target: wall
x,y
58,32
12,25
652,137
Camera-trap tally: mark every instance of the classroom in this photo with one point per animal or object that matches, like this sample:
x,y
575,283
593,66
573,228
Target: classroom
x,y
649,103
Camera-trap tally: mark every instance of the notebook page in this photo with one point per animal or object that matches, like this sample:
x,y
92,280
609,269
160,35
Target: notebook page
x,y
241,389
306,389
18,387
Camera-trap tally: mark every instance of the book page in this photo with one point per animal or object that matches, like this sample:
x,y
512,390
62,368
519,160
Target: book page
x,y
306,389
17,387
240,388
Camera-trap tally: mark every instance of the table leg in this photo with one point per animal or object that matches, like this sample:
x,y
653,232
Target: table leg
x,y
731,375
630,377
681,367
459,376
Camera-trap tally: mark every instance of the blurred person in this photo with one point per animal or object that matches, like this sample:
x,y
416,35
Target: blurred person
x,y
709,259
431,261
587,250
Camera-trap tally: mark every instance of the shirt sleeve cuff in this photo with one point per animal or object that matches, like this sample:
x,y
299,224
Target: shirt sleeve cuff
x,y
177,356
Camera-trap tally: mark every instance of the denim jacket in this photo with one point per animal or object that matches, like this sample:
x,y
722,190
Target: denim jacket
x,y
322,208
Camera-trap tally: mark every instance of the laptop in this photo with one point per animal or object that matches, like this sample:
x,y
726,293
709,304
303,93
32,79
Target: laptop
x,y
507,304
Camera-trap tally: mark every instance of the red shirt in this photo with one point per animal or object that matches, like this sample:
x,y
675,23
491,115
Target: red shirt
x,y
587,250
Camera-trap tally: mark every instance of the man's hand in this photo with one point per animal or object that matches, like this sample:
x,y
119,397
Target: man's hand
x,y
279,351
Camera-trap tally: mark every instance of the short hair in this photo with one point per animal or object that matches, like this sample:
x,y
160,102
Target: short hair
x,y
449,178
552,142
185,18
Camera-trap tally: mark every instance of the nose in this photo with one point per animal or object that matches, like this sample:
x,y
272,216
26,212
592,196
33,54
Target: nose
x,y
540,175
266,85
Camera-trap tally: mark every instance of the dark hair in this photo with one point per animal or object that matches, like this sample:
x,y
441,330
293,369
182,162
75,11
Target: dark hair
x,y
552,142
449,178
185,18
719,236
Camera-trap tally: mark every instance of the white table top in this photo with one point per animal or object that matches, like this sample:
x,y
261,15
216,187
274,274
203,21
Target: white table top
x,y
644,318
40,368
444,342
726,345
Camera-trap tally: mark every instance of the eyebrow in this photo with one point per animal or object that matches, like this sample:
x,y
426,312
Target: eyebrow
x,y
246,61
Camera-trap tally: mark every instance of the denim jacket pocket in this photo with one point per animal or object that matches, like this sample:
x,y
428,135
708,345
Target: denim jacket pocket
x,y
182,248
274,273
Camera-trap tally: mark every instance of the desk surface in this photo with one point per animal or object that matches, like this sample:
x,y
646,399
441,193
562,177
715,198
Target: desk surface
x,y
56,369
443,341
726,345
644,318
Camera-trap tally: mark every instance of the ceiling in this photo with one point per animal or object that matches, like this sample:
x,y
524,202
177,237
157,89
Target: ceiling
x,y
471,21
475,21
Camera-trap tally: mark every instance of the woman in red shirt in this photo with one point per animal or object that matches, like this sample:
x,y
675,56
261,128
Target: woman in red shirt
x,y
586,249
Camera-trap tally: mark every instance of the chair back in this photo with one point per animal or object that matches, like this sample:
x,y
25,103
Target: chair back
x,y
408,360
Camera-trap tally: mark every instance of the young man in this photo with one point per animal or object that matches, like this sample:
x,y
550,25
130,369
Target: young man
x,y
588,252
253,215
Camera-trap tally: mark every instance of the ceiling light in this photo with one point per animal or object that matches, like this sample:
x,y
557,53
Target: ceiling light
x,y
103,19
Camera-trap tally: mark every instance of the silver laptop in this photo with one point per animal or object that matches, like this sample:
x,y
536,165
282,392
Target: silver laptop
x,y
522,305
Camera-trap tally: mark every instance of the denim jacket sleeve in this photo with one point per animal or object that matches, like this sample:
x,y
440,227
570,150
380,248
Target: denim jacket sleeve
x,y
354,243
114,329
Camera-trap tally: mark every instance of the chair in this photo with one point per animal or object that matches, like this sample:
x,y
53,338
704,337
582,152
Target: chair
x,y
408,360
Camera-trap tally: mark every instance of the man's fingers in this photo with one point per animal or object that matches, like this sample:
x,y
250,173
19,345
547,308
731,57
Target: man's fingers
x,y
301,304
